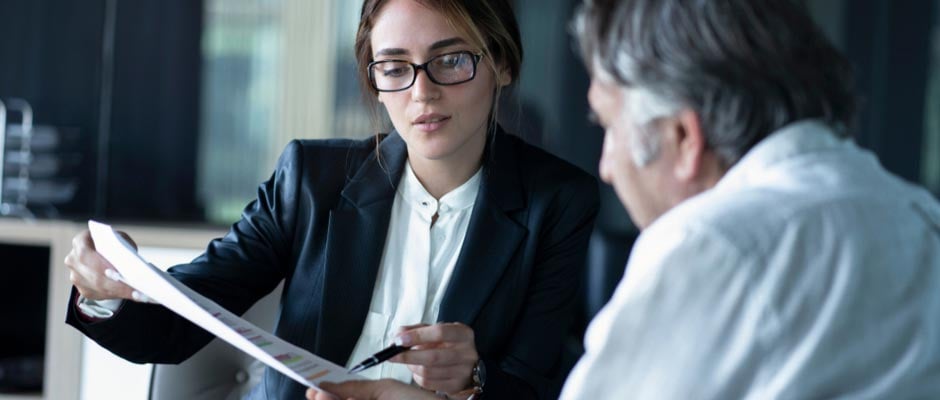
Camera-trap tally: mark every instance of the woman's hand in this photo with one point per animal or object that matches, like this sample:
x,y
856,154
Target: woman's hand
x,y
442,355
93,276
385,389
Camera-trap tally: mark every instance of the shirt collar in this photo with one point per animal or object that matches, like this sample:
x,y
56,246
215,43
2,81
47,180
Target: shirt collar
x,y
795,139
460,198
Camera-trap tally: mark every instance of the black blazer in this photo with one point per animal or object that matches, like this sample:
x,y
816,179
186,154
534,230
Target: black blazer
x,y
320,223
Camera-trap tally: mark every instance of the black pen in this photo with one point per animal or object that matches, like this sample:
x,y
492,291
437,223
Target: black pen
x,y
379,358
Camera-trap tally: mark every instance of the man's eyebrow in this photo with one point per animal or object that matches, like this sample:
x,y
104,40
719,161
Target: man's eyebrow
x,y
396,51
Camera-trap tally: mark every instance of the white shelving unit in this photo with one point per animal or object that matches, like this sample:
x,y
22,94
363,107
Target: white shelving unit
x,y
63,376
63,344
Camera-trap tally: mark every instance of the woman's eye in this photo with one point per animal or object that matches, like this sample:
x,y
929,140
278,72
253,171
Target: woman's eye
x,y
393,72
451,60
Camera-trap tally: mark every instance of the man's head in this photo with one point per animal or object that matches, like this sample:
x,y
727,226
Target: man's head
x,y
684,88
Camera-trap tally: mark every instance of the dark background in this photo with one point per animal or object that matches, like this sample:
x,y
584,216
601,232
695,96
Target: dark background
x,y
126,75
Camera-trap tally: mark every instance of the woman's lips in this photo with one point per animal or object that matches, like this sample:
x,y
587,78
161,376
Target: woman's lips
x,y
432,124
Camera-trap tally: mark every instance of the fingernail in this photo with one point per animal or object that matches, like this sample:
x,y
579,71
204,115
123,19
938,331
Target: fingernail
x,y
138,296
112,275
403,340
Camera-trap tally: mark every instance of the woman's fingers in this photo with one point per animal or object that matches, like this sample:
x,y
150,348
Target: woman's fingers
x,y
442,355
439,357
93,276
435,334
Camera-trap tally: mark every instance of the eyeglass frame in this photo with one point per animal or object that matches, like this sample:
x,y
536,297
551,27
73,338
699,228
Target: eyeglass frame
x,y
416,67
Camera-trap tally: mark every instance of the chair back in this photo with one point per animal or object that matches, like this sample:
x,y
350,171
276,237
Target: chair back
x,y
218,371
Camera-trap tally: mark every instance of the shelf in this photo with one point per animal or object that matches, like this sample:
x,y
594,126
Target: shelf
x,y
20,396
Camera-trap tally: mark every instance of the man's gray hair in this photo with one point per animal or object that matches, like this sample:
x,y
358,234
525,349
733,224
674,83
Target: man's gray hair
x,y
747,67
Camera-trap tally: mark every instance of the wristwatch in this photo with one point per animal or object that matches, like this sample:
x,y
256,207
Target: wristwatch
x,y
479,377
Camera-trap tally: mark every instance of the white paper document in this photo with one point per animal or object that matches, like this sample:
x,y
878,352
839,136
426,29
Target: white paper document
x,y
295,362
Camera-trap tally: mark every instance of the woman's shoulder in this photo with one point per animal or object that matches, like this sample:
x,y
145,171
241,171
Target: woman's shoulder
x,y
326,160
549,182
338,145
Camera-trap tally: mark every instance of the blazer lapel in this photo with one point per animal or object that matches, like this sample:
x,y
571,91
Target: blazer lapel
x,y
492,236
356,235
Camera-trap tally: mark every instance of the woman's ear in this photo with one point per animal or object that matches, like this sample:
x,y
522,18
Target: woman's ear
x,y
505,77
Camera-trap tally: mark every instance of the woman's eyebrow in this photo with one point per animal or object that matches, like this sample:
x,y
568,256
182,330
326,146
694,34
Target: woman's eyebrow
x,y
440,44
447,43
394,51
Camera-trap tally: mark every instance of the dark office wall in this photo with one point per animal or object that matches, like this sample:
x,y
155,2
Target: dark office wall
x,y
888,43
50,56
125,74
154,130
553,92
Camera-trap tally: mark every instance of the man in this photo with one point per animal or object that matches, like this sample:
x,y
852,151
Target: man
x,y
777,259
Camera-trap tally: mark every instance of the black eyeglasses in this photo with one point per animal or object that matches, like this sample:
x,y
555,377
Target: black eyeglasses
x,y
445,69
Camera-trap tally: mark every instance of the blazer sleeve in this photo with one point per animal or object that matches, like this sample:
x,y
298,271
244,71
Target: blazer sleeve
x,y
531,368
235,271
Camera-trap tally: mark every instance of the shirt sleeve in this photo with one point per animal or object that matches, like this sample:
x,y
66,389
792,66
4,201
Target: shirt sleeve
x,y
680,324
98,309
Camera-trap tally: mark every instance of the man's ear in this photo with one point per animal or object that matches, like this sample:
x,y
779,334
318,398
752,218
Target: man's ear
x,y
690,146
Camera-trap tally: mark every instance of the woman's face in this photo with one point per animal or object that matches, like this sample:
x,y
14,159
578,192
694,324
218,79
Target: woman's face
x,y
439,123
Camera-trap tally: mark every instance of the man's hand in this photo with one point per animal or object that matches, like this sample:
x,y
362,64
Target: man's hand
x,y
442,355
93,276
385,389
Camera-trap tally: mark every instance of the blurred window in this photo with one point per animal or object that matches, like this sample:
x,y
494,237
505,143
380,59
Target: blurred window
x,y
273,71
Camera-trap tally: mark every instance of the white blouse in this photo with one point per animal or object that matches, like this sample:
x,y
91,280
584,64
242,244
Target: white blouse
x,y
417,263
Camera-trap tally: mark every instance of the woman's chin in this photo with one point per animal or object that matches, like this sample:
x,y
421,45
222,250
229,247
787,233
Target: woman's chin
x,y
432,153
441,146
431,147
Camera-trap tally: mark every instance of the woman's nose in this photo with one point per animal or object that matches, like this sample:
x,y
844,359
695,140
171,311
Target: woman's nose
x,y
424,90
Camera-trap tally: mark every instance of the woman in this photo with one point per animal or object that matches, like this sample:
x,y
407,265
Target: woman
x,y
446,234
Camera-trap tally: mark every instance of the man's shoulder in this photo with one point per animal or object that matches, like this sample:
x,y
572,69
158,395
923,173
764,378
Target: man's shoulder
x,y
738,218
758,216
